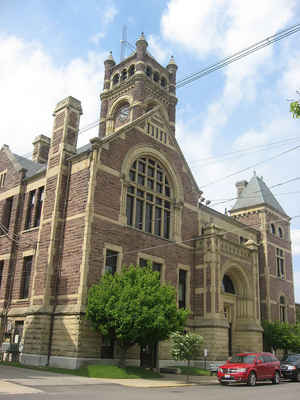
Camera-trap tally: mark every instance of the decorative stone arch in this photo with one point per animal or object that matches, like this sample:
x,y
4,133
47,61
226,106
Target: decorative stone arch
x,y
127,99
177,196
242,302
239,308
239,279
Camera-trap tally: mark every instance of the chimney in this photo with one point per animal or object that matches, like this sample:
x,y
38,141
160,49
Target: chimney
x,y
41,146
240,186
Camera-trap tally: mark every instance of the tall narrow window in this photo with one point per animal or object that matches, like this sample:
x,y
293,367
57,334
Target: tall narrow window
x,y
30,208
182,288
39,205
148,205
4,227
111,261
1,271
2,178
282,309
25,282
280,263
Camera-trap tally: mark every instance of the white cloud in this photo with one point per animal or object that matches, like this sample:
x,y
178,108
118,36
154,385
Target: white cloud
x,y
31,85
297,285
219,28
107,17
211,26
97,37
110,14
159,51
295,234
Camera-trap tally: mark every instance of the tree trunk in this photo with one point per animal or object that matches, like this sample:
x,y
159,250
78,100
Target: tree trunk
x,y
188,373
122,359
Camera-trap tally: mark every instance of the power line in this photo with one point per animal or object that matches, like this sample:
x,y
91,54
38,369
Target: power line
x,y
254,149
197,237
240,54
251,166
221,201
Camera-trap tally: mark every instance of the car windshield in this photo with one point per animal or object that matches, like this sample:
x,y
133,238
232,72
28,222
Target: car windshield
x,y
291,358
243,359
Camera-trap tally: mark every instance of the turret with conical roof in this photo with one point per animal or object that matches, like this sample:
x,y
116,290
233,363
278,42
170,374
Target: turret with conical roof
x,y
256,206
254,194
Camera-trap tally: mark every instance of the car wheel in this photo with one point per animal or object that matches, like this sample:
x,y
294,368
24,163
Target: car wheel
x,y
276,378
297,377
251,379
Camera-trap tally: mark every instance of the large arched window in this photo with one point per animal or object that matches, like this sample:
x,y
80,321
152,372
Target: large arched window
x,y
148,203
227,285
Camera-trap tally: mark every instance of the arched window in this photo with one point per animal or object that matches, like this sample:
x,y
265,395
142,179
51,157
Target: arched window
x,y
273,231
280,232
131,70
282,309
156,77
124,75
163,82
116,79
149,71
148,203
227,285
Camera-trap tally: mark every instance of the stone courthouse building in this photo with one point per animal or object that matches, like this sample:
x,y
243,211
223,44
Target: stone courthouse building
x,y
70,214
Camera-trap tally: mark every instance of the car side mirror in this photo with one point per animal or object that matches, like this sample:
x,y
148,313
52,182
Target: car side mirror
x,y
258,362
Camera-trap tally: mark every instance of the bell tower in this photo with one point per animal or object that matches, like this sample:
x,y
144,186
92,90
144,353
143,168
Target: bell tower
x,y
135,86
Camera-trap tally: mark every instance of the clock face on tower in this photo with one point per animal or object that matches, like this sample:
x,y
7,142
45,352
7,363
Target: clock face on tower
x,y
122,115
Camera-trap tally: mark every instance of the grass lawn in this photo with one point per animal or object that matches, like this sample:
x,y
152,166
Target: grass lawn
x,y
95,371
193,371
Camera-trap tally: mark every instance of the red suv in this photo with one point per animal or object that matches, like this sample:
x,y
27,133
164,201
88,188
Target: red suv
x,y
249,368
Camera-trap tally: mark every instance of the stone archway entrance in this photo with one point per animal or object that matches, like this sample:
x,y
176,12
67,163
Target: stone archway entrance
x,y
236,306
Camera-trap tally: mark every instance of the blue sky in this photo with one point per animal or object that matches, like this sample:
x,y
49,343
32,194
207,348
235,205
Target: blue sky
x,y
50,50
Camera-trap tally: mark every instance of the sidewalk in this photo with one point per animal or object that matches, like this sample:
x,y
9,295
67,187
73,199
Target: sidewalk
x,y
22,380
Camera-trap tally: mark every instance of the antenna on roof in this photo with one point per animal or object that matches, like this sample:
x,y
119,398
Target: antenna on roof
x,y
123,43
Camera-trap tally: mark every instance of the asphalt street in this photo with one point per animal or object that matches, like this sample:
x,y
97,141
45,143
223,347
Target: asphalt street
x,y
25,384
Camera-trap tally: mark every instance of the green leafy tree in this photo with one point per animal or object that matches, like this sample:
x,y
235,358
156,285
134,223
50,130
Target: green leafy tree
x,y
298,313
186,347
295,109
132,307
281,335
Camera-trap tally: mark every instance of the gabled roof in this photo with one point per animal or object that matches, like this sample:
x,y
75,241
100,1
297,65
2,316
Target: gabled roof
x,y
31,167
257,193
128,127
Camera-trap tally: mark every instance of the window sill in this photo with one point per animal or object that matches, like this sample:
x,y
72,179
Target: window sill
x,y
30,229
149,234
